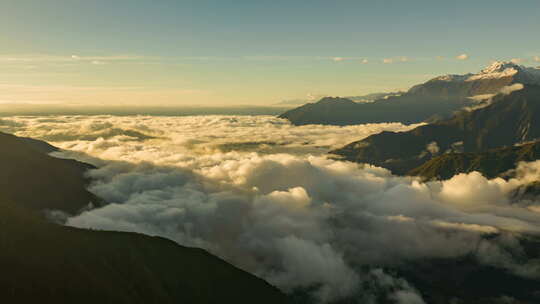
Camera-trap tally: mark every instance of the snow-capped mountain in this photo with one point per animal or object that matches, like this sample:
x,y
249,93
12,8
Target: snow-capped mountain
x,y
498,70
501,69
436,98
487,82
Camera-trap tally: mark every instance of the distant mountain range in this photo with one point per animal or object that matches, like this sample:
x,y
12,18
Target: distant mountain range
x,y
42,262
361,98
373,96
438,98
508,120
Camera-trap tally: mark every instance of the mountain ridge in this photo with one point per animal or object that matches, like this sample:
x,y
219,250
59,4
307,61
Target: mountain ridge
x,y
507,120
48,263
491,163
437,98
27,166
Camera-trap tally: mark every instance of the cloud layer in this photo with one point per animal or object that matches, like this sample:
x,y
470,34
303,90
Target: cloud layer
x,y
260,193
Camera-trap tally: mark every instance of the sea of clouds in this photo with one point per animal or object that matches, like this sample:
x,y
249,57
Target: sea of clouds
x,y
263,195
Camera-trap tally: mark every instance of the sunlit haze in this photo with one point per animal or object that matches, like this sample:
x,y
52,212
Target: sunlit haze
x,y
170,52
270,151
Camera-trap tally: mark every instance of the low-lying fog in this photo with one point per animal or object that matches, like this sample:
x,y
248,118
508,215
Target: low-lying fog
x,y
263,195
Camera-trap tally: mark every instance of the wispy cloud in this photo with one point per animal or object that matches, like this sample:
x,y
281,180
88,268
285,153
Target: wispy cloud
x,y
396,59
70,58
462,57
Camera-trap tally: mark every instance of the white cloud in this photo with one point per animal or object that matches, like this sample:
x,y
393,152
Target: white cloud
x,y
462,57
338,59
402,292
65,59
433,148
396,59
189,134
404,59
314,263
485,100
518,60
536,58
365,61
274,201
507,90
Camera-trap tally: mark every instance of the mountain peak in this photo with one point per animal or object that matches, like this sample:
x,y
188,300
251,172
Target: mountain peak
x,y
496,70
501,66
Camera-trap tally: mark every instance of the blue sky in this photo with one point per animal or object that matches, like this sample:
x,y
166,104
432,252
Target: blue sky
x,y
248,52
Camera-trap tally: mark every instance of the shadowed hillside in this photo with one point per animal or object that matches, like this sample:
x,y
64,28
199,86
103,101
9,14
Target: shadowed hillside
x,y
47,263
491,163
43,262
508,120
36,180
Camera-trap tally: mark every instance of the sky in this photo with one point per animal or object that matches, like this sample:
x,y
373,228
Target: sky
x,y
174,52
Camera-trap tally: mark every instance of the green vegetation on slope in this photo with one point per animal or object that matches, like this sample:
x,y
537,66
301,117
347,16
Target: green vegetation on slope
x,y
491,163
509,120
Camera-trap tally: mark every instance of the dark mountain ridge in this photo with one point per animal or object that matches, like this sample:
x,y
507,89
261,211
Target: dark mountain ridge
x,y
492,163
46,263
42,262
508,120
437,98
491,140
38,181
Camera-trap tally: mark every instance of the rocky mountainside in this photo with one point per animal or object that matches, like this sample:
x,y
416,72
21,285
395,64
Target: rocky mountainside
x,y
437,98
42,262
491,163
491,139
508,120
